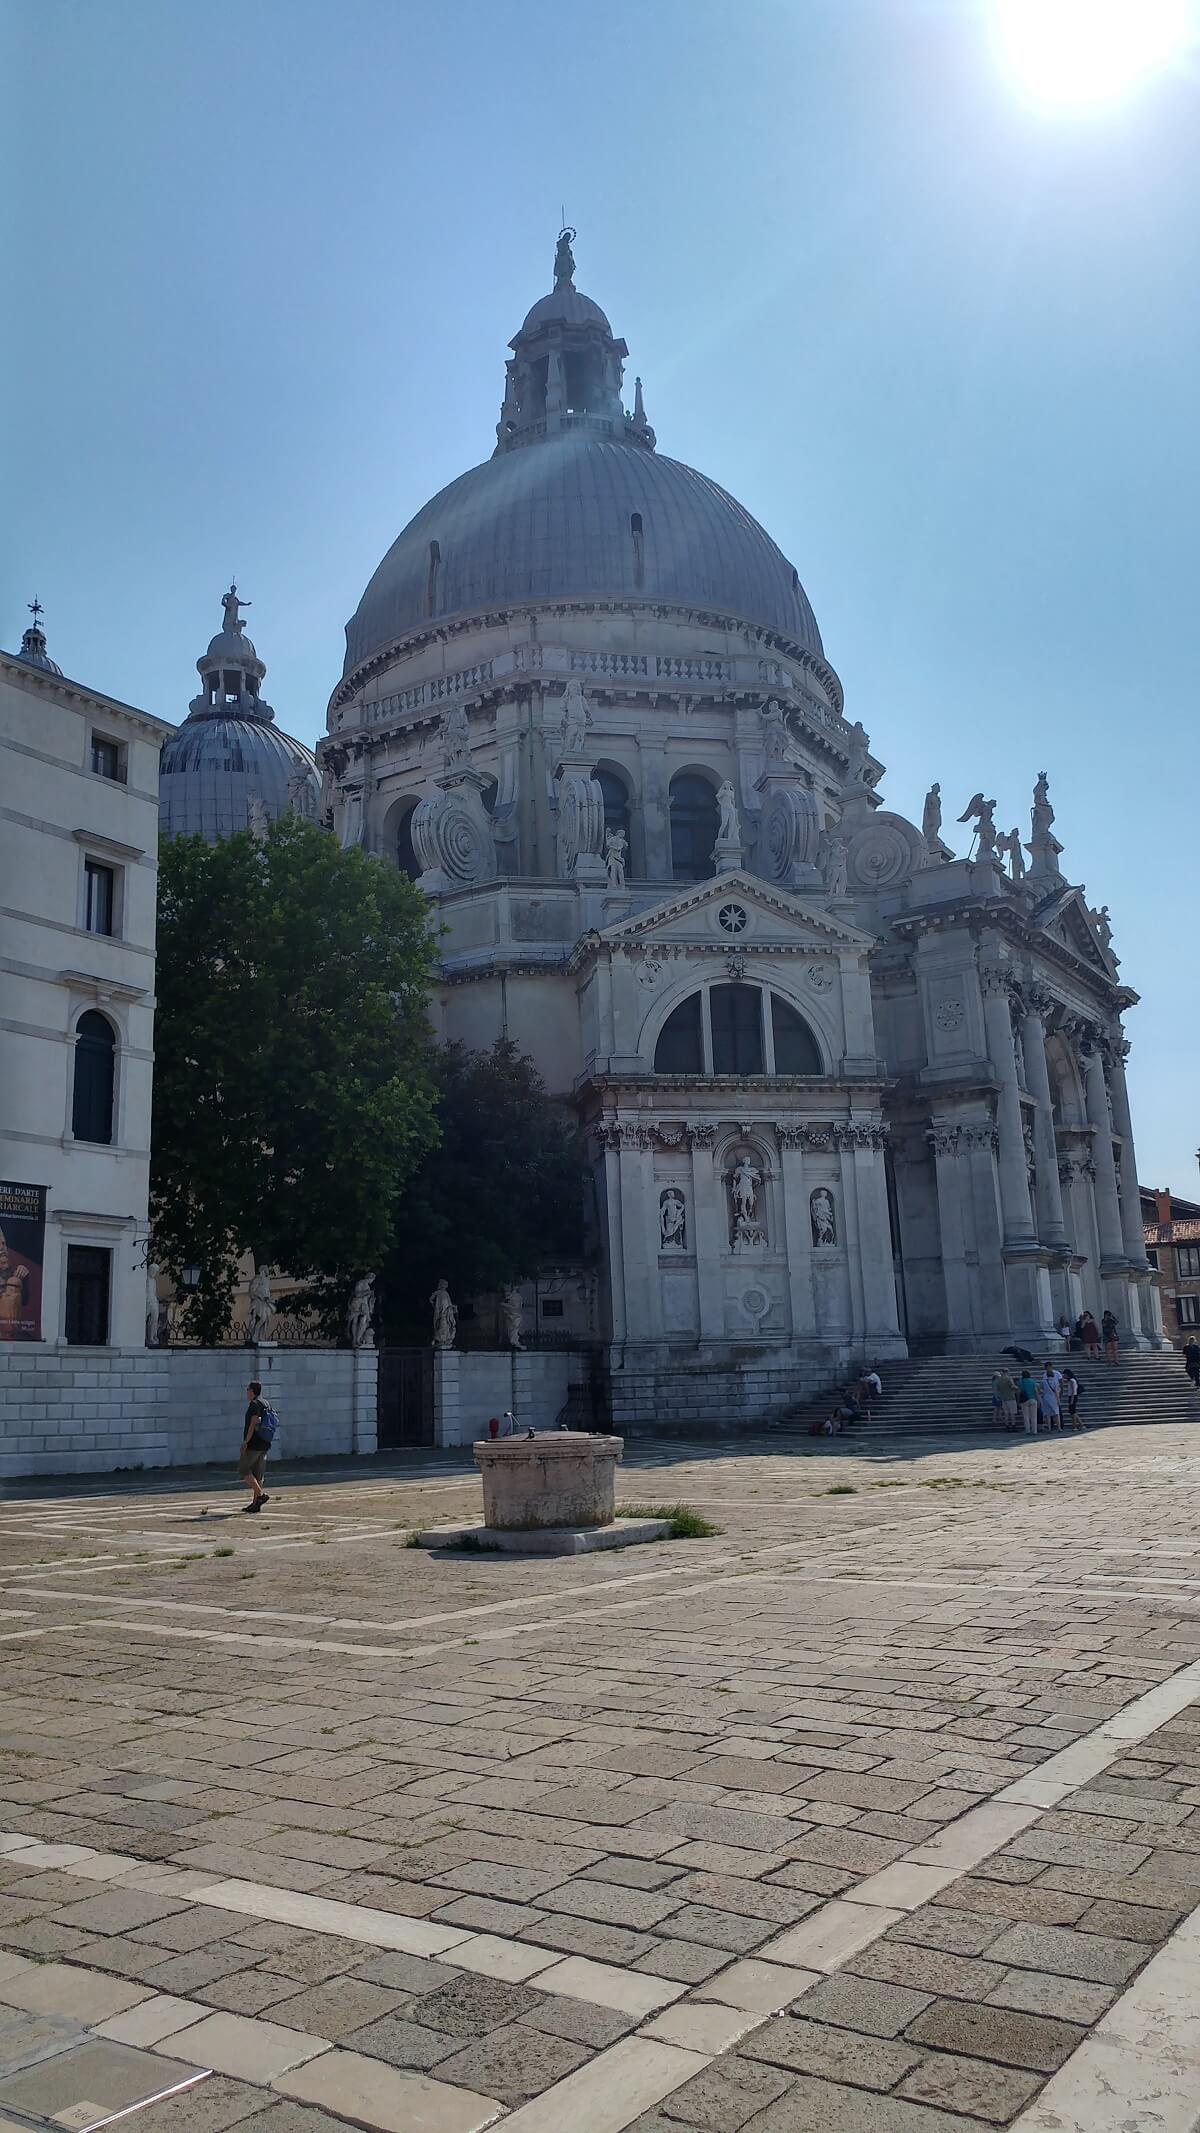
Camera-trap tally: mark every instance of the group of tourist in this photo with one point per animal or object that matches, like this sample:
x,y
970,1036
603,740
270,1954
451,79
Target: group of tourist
x,y
852,1405
1032,1402
1085,1334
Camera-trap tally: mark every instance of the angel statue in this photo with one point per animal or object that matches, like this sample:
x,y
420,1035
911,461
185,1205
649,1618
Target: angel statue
x,y
983,813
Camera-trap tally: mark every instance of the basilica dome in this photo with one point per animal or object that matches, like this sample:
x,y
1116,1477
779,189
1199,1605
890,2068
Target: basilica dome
x,y
575,504
558,521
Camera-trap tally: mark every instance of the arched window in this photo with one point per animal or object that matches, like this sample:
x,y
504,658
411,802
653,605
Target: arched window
x,y
616,800
795,1046
737,1034
95,1078
406,857
720,1030
680,1047
694,820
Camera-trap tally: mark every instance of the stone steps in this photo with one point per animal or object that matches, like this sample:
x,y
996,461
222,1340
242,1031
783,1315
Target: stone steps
x,y
941,1396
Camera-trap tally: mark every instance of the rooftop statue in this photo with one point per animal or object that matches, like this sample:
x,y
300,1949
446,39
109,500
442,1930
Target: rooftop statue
x,y
983,814
231,602
564,258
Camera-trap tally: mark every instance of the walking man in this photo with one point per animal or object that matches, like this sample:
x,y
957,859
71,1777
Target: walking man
x,y
252,1459
1191,1360
1069,1396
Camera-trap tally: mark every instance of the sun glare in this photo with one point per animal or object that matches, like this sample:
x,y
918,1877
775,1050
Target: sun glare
x,y
1088,51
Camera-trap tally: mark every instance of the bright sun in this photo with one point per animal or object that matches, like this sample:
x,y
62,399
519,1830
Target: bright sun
x,y
1087,51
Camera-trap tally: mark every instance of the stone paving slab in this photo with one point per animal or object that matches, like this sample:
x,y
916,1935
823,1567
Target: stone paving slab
x,y
939,1746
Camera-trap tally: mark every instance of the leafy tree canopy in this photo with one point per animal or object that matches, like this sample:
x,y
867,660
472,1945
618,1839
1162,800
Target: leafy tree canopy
x,y
293,1089
499,1198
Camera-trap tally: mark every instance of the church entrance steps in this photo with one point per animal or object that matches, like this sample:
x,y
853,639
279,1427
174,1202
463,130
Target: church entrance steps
x,y
934,1397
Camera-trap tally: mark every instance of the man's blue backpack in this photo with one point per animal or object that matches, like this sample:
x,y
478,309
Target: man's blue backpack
x,y
267,1424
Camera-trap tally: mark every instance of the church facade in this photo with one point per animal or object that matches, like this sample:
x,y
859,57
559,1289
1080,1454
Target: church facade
x,y
846,1095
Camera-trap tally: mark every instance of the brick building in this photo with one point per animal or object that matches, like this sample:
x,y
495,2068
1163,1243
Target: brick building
x,y
1173,1247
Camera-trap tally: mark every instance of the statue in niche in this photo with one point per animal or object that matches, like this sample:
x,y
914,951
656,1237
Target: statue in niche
x,y
232,606
615,843
445,1315
358,1314
931,817
837,863
261,1307
1010,846
672,1221
153,1271
743,1187
775,735
456,739
729,829
983,814
824,1218
510,1308
576,719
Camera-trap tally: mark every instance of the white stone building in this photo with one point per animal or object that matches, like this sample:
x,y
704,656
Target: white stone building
x,y
78,877
845,1094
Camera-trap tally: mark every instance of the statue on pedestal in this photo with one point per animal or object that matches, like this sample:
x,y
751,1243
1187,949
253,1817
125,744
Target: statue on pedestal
x,y
729,829
1010,845
261,1307
232,604
1043,846
456,739
983,813
153,1271
614,857
836,868
774,735
358,1313
445,1316
510,1305
672,1221
576,719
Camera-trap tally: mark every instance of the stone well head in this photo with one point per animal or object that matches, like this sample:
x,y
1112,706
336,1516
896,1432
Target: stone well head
x,y
553,1478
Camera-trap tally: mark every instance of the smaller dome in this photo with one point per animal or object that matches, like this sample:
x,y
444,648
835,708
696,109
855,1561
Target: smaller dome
x,y
33,651
565,306
214,769
230,648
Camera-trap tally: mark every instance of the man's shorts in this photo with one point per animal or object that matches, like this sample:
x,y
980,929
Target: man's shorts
x,y
252,1459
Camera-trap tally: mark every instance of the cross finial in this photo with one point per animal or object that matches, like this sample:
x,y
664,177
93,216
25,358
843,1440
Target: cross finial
x,y
37,611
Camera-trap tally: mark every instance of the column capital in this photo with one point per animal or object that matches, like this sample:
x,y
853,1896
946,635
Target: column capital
x,y
995,978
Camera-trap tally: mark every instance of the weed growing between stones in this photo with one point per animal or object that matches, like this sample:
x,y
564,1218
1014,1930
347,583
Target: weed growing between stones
x,y
685,1523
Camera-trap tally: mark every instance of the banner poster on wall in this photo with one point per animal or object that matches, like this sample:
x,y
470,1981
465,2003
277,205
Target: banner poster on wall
x,y
22,1254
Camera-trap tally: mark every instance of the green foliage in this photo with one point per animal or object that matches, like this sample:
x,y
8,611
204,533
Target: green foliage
x,y
498,1199
842,1488
293,1090
686,1525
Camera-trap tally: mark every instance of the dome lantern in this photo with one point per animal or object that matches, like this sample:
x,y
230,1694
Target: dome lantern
x,y
33,642
231,671
566,369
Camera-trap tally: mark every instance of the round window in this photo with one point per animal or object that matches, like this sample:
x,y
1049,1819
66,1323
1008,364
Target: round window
x,y
732,918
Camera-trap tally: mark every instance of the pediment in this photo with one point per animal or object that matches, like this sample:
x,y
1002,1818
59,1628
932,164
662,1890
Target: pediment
x,y
688,918
1067,920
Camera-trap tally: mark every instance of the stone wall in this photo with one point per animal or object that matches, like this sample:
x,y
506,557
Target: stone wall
x,y
698,1397
101,1410
468,1388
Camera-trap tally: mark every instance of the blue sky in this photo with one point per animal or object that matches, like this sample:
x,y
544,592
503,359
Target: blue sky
x,y
263,261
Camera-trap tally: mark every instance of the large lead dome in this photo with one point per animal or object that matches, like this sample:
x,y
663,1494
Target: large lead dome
x,y
576,504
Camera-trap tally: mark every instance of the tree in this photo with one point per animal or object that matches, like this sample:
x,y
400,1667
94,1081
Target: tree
x,y
498,1199
293,1086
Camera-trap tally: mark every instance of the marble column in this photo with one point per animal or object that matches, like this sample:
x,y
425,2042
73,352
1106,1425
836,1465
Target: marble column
x,y
639,1268
797,1229
881,1316
1052,1226
1014,1172
944,1140
1131,1200
711,1230
1108,1206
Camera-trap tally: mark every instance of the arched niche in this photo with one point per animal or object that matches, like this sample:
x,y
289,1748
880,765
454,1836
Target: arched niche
x,y
695,818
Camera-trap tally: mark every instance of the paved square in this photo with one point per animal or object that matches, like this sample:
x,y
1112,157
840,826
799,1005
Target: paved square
x,y
874,1810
